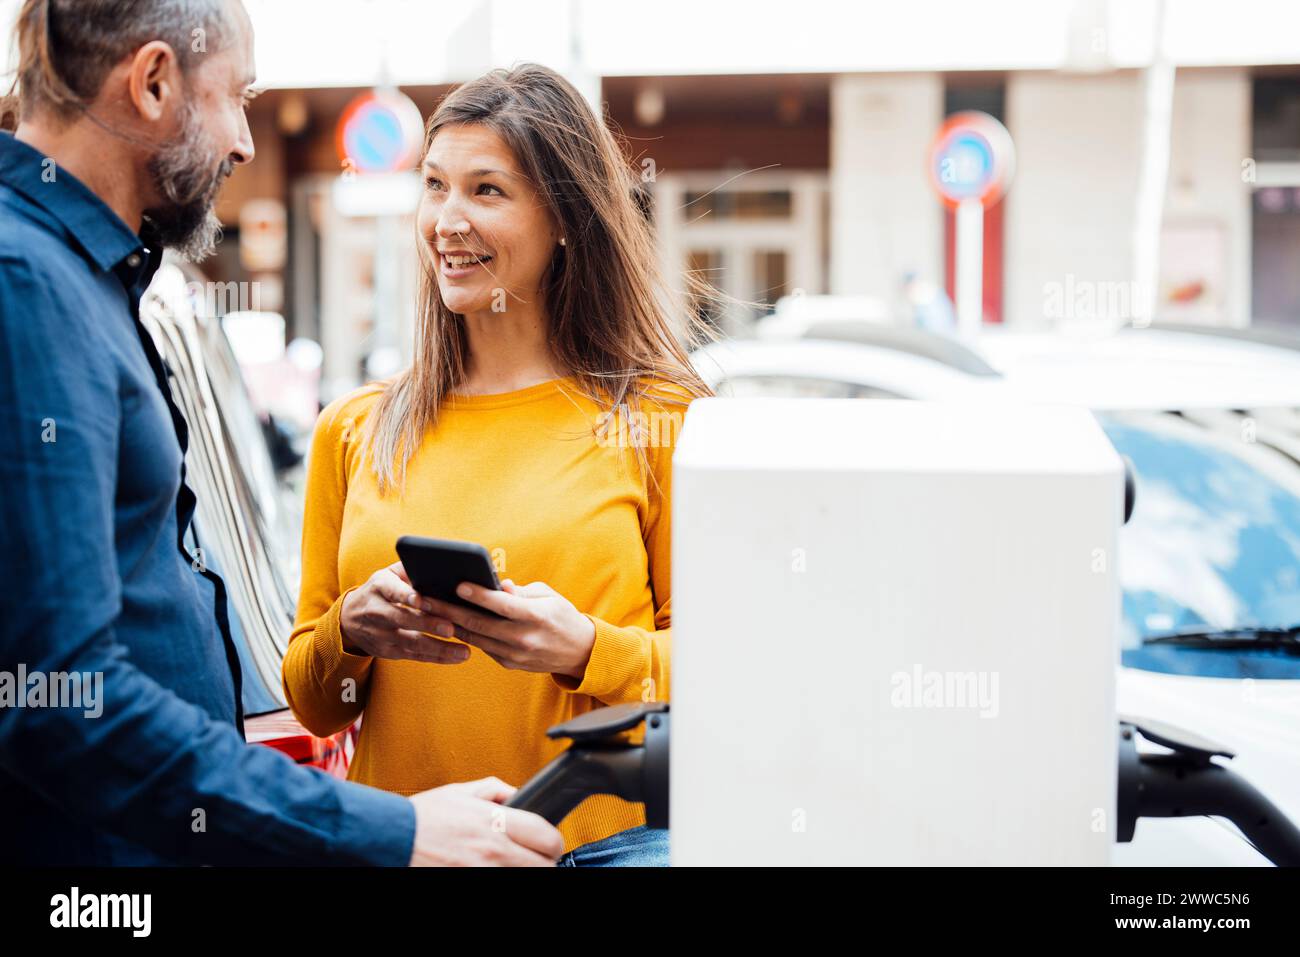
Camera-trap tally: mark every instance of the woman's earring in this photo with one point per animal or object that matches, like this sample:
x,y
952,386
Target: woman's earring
x,y
562,242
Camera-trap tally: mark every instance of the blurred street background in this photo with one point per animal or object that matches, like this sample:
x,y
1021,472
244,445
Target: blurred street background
x,y
784,151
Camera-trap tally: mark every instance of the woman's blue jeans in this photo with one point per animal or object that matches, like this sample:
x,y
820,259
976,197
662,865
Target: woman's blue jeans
x,y
636,847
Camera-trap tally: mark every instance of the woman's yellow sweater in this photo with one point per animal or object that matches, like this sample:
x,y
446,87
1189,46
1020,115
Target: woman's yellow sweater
x,y
553,491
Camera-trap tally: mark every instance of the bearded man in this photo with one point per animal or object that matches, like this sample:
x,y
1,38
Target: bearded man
x,y
130,117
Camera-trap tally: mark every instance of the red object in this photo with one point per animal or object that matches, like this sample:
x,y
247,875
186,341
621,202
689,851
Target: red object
x,y
280,730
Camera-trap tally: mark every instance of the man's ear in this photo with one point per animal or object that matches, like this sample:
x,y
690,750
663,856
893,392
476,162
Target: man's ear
x,y
154,80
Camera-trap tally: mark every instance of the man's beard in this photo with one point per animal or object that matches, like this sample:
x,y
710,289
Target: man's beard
x,y
185,173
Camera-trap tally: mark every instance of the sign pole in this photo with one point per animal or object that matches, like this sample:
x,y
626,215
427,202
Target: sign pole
x,y
969,272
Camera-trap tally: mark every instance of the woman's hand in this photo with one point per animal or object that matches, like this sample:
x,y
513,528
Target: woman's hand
x,y
539,629
383,619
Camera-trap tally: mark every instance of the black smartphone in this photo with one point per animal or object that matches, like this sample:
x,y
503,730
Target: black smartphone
x,y
437,565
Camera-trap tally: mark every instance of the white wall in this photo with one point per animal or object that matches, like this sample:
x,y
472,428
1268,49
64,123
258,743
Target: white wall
x,y
827,36
885,218
1210,140
1071,210
341,42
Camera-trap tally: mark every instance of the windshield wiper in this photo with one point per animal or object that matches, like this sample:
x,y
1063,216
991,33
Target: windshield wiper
x,y
1234,639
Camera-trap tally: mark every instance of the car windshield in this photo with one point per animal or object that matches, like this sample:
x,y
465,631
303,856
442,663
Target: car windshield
x,y
1214,541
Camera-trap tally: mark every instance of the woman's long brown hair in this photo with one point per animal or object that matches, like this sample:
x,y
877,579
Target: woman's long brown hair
x,y
613,324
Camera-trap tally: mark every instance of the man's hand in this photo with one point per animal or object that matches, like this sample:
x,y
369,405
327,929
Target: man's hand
x,y
465,825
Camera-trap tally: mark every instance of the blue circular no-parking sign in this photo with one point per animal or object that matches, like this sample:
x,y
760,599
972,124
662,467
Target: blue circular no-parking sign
x,y
972,158
380,132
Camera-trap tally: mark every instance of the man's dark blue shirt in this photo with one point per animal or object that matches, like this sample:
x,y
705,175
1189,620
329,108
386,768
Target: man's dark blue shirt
x,y
95,579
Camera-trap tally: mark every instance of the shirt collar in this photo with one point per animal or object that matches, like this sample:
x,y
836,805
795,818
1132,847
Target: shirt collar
x,y
104,239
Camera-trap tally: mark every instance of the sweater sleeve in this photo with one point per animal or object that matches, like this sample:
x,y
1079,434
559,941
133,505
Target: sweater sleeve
x,y
325,686
631,664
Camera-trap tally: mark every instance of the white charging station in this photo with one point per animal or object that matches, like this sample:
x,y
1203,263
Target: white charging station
x,y
894,634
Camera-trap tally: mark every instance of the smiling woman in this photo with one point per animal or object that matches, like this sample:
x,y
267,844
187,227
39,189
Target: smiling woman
x,y
542,320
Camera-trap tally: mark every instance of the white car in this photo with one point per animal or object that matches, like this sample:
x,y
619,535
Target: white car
x,y
1210,561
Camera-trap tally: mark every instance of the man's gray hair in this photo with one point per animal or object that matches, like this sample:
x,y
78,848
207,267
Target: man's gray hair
x,y
66,48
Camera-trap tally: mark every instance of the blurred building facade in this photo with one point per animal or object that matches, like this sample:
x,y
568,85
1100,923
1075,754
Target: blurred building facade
x,y
785,150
